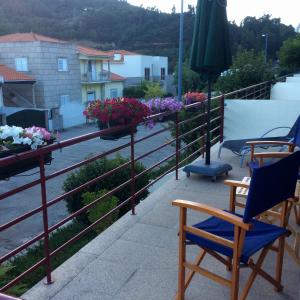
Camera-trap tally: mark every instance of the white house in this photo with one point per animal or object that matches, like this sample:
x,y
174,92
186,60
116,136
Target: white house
x,y
137,67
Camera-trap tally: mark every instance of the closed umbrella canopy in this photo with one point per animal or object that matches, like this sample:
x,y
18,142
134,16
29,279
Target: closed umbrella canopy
x,y
211,54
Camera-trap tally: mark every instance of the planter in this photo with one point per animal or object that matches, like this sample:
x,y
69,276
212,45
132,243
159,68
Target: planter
x,y
114,135
21,166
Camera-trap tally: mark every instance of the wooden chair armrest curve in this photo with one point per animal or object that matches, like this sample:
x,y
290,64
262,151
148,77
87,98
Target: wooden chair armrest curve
x,y
235,183
216,212
279,143
272,154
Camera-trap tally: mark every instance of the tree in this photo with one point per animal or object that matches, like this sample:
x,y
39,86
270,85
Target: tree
x,y
290,54
248,68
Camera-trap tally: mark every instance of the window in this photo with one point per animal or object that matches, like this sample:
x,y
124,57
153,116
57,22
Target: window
x,y
147,73
162,74
21,64
91,96
64,99
117,56
62,64
113,93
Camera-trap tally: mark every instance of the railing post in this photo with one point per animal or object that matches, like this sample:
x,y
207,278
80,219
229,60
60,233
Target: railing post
x,y
45,220
132,158
222,118
177,145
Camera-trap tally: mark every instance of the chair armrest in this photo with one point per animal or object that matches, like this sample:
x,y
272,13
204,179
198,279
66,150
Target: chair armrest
x,y
279,143
216,212
235,183
262,155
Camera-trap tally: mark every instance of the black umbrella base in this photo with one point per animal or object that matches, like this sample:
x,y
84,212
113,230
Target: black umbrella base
x,y
216,168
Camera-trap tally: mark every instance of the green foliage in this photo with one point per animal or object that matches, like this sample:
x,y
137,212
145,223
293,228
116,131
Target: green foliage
x,y
248,68
134,92
152,90
97,168
290,54
24,261
100,209
190,80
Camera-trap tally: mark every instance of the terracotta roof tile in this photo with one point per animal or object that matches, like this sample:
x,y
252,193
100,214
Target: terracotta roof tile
x,y
28,37
122,52
12,75
92,52
116,77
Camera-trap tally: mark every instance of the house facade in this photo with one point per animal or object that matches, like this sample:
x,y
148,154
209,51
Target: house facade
x,y
137,67
64,76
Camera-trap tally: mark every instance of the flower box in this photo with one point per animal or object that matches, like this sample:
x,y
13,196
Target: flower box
x,y
194,97
117,134
15,140
117,112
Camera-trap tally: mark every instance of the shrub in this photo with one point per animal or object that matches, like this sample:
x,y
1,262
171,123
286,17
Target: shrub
x,y
153,90
134,92
97,168
100,209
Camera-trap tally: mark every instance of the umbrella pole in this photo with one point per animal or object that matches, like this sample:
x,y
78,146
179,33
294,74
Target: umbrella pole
x,y
207,151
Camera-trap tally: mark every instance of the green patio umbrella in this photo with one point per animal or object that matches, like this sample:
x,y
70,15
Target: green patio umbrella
x,y
211,54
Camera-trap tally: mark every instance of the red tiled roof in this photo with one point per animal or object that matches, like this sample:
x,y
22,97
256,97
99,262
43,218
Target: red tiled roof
x,y
116,77
92,52
12,75
28,37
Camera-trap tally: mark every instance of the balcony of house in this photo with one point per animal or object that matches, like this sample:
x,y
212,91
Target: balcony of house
x,y
137,256
96,77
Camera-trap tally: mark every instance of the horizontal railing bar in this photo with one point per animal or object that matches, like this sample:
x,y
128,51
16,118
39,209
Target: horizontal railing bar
x,y
20,218
89,160
190,156
191,131
191,143
17,279
20,189
154,166
154,150
87,229
81,210
151,135
59,145
81,187
21,248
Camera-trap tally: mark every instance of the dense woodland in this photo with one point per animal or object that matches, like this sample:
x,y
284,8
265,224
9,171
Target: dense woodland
x,y
115,24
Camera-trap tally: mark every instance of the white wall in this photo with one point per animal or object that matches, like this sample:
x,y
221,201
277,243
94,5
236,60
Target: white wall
x,y
285,91
252,118
293,79
72,112
134,65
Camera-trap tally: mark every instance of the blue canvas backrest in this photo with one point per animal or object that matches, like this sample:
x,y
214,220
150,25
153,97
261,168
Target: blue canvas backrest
x,y
272,184
296,139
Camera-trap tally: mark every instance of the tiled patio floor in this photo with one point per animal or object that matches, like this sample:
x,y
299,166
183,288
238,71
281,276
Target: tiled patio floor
x,y
136,258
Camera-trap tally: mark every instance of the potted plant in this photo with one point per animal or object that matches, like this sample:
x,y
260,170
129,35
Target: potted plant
x,y
15,140
194,97
160,105
125,112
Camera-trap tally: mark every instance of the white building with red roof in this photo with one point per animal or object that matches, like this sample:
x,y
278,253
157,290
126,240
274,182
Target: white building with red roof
x,y
137,67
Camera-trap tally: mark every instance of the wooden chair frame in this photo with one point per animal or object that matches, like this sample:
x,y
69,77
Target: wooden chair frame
x,y
234,264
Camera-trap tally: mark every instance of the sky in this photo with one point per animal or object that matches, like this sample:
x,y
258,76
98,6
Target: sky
x,y
237,10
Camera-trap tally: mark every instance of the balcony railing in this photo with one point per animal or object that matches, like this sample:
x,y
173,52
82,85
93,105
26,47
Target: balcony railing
x,y
195,121
96,77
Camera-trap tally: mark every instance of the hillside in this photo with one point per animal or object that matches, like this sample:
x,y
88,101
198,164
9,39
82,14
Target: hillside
x,y
113,24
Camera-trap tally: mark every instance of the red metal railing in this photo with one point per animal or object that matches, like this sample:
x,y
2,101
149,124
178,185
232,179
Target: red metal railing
x,y
179,155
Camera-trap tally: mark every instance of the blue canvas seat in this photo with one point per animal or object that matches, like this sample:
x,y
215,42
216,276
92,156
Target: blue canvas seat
x,y
260,235
233,238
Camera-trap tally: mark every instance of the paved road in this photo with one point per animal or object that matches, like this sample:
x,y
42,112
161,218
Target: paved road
x,y
30,199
